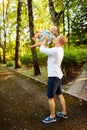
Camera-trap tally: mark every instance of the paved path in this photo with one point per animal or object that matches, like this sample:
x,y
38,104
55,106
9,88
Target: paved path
x,y
78,88
23,105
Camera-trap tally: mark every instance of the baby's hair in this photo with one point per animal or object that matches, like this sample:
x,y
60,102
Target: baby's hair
x,y
54,27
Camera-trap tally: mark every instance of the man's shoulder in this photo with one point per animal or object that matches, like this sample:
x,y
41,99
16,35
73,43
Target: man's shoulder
x,y
58,49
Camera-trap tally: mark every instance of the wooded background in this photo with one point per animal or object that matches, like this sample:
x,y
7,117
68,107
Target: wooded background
x,y
20,19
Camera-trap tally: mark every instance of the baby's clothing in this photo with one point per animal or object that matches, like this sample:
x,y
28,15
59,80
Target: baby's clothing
x,y
43,34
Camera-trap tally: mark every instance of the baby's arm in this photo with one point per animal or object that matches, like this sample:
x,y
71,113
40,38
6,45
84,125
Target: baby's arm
x,y
39,44
35,45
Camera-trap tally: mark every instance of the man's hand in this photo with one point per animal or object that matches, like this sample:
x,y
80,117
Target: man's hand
x,y
35,45
46,37
32,46
45,40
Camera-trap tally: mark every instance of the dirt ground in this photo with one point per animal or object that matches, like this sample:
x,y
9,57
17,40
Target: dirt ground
x,y
23,105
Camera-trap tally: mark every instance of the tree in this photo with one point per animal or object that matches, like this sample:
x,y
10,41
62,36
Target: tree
x,y
79,23
4,46
3,27
54,14
57,8
5,13
0,46
31,27
18,31
68,22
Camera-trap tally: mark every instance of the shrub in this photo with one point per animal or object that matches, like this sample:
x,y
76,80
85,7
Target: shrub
x,y
42,59
9,64
27,59
73,59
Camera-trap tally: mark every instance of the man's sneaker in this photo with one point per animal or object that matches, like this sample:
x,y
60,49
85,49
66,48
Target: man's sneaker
x,y
49,120
62,115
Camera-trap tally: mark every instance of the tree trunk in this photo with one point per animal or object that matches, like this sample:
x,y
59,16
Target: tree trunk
x,y
4,45
68,27
0,47
63,24
18,31
55,16
0,40
31,28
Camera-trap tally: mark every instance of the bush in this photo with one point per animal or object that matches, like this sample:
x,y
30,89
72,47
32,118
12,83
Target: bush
x,y
9,64
42,59
27,59
73,60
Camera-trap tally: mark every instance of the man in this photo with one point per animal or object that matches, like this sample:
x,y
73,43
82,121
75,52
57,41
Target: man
x,y
55,57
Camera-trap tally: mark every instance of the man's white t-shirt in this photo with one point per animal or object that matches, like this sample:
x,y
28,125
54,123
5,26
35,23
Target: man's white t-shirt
x,y
55,57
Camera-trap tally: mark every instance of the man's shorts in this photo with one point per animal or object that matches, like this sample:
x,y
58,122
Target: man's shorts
x,y
54,87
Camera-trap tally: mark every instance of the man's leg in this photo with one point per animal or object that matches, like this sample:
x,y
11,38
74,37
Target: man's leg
x,y
51,101
52,107
51,118
63,103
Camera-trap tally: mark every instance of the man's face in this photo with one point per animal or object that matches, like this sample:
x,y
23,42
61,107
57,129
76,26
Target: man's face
x,y
55,41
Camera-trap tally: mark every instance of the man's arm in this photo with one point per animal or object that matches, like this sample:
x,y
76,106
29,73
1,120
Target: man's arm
x,y
40,43
48,51
45,50
35,45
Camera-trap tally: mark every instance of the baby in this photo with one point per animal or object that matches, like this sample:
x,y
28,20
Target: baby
x,y
42,34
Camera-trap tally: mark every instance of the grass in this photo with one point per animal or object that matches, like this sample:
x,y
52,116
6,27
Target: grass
x,y
30,72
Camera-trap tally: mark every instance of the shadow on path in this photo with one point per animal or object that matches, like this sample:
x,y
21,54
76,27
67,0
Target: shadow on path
x,y
23,105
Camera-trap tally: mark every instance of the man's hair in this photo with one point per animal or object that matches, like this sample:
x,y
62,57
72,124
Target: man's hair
x,y
62,39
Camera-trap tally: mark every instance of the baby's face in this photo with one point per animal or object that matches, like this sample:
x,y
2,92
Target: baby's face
x,y
53,30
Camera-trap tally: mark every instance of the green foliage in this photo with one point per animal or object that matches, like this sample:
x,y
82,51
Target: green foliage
x,y
26,59
42,19
73,59
9,64
78,23
42,59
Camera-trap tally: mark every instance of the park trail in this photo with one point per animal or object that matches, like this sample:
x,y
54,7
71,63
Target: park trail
x,y
78,87
23,105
